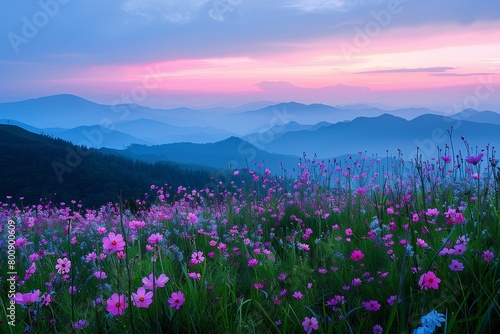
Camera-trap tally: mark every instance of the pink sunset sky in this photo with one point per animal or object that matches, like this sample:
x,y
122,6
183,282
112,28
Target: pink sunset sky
x,y
205,53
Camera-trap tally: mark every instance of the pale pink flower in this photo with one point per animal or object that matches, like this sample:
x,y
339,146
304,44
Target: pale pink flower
x,y
155,238
194,275
27,298
142,298
159,282
63,266
100,275
113,243
310,324
197,257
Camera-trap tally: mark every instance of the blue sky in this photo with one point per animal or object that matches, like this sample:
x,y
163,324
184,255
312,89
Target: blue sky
x,y
229,52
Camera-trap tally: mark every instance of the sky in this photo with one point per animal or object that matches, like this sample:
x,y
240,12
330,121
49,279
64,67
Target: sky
x,y
443,55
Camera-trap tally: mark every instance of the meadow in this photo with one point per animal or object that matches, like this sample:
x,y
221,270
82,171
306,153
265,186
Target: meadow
x,y
360,245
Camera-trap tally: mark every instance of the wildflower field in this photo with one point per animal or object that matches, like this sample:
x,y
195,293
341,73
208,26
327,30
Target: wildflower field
x,y
360,245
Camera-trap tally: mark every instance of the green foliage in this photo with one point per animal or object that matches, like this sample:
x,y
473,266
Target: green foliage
x,y
35,166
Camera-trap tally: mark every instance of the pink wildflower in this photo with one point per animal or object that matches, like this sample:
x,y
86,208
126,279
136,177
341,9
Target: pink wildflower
x,y
429,280
475,159
297,295
488,255
310,324
176,299
197,257
432,212
456,265
194,275
116,305
159,282
113,243
371,305
304,247
142,298
192,218
100,275
155,238
357,255
253,262
63,266
27,298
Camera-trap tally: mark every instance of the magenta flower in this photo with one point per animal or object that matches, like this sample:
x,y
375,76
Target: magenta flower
x,y
197,257
176,299
429,280
446,158
192,218
310,324
100,275
304,247
27,298
159,282
116,305
456,265
422,243
297,295
155,238
357,255
113,243
142,298
253,262
194,275
488,255
392,299
475,159
63,266
101,230
46,299
371,305
432,212
91,257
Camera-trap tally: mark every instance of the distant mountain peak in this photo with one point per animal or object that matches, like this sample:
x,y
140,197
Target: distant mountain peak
x,y
63,98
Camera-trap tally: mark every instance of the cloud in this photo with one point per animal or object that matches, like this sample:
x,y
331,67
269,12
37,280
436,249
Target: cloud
x,y
410,70
459,74
174,11
335,5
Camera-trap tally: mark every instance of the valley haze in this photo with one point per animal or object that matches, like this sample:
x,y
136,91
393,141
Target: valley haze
x,y
276,132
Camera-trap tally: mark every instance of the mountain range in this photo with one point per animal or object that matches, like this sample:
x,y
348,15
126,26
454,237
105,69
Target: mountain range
x,y
252,134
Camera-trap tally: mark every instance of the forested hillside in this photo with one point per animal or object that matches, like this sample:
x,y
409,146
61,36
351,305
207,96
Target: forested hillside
x,y
36,166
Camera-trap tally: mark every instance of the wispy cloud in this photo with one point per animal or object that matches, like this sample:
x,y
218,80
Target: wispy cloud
x,y
320,5
410,70
175,11
459,74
